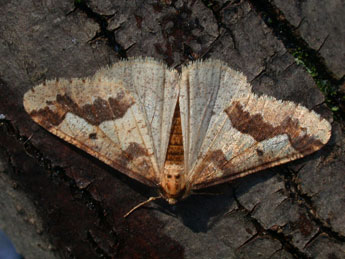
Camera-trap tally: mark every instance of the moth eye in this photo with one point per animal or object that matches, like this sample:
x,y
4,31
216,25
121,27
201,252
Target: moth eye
x,y
177,176
169,176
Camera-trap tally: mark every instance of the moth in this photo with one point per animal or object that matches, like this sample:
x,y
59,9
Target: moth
x,y
176,132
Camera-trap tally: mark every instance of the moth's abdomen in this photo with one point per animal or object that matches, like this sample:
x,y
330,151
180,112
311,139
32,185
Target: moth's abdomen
x,y
175,147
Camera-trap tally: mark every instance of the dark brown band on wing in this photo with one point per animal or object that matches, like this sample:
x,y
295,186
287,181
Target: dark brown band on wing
x,y
96,113
133,152
255,126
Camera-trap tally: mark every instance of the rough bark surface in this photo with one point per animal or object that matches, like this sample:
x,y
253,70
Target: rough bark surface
x,y
76,203
319,23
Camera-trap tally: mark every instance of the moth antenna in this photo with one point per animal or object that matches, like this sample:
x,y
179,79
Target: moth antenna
x,y
28,139
141,204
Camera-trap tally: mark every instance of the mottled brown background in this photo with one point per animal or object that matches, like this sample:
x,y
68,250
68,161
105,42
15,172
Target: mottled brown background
x,y
56,201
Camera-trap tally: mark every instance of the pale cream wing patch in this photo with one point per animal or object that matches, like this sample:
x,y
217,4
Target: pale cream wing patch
x,y
203,97
108,118
235,132
155,86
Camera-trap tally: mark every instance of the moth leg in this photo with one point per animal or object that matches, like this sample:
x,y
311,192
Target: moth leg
x,y
207,193
141,204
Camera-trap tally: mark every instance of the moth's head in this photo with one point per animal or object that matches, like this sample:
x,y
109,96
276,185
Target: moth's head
x,y
173,183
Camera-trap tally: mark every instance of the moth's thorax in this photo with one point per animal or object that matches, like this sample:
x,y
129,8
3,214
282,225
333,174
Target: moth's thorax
x,y
173,182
